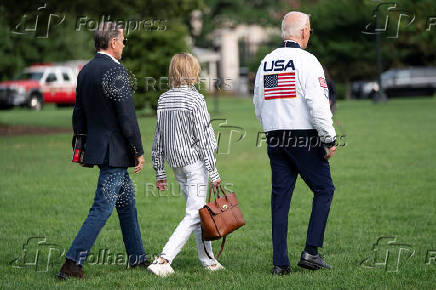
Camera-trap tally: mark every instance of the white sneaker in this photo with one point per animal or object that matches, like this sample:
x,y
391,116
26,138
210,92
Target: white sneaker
x,y
160,268
215,267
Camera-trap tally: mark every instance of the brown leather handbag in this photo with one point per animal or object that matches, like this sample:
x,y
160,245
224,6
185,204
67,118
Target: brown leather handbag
x,y
220,217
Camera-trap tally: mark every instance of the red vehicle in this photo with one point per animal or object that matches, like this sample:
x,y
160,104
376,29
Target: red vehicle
x,y
40,84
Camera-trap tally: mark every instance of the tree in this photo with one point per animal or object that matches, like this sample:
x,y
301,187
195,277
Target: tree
x,y
148,53
344,45
148,57
339,41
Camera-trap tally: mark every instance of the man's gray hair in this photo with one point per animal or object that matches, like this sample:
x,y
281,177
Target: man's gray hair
x,y
104,33
293,29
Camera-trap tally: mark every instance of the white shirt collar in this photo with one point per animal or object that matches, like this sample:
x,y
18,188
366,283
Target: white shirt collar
x,y
185,87
113,58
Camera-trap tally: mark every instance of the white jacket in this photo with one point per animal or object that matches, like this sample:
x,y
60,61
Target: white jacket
x,y
291,93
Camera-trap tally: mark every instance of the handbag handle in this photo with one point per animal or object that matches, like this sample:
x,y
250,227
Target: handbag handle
x,y
212,190
216,192
222,190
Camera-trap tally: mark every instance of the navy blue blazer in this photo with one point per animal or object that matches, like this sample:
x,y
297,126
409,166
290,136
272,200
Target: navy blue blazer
x,y
105,112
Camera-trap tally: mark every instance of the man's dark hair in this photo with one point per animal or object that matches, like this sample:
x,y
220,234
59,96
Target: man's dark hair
x,y
104,33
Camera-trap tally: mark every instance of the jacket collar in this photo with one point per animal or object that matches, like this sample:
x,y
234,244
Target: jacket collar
x,y
290,43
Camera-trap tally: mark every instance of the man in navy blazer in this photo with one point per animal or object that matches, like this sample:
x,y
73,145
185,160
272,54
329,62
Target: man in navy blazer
x,y
105,113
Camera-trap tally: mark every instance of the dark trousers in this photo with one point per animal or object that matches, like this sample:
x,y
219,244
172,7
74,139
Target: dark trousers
x,y
290,154
114,190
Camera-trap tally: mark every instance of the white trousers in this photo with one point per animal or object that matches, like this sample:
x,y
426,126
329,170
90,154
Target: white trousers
x,y
193,181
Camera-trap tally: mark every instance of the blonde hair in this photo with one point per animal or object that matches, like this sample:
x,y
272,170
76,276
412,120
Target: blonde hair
x,y
184,70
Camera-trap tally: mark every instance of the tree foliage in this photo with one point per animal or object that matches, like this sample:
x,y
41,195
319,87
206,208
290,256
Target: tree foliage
x,y
338,41
148,57
147,54
344,38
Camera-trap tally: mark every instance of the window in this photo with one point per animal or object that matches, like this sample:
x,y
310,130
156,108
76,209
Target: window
x,y
65,76
51,78
31,76
403,74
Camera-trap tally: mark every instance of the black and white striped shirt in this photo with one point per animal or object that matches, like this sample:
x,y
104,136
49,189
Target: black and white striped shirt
x,y
183,134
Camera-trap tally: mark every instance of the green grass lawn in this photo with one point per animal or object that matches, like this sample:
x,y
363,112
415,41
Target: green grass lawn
x,y
385,180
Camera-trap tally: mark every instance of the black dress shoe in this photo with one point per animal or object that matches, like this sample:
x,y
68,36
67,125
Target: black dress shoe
x,y
144,264
70,269
312,262
280,271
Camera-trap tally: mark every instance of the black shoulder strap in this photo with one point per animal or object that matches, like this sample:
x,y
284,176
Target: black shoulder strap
x,y
220,252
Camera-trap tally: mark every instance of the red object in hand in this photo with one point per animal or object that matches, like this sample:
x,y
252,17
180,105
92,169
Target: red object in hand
x,y
76,155
79,149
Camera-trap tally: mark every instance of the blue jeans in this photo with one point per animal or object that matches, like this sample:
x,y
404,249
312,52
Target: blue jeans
x,y
114,189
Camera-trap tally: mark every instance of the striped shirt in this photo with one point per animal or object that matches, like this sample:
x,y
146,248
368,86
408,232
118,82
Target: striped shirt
x,y
183,133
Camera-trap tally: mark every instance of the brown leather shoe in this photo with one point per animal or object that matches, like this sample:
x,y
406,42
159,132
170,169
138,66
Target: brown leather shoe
x,y
70,269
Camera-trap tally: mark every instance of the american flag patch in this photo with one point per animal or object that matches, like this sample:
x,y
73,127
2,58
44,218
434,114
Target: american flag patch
x,y
322,83
279,86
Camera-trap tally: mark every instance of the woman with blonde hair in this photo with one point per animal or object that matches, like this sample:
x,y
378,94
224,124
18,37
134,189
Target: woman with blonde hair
x,y
186,140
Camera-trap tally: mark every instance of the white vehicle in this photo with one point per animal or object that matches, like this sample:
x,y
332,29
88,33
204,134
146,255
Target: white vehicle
x,y
42,83
419,81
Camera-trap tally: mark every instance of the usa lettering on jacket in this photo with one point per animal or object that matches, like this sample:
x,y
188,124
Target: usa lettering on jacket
x,y
278,65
